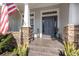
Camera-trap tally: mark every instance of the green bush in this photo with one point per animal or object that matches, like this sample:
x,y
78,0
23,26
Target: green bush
x,y
22,50
7,43
70,49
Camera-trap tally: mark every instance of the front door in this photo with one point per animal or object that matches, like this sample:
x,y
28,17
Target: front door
x,y
49,26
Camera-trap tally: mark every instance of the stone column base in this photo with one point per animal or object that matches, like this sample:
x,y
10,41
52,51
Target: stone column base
x,y
16,35
26,34
71,33
23,36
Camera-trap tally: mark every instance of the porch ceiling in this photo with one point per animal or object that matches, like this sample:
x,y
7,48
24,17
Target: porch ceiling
x,y
34,5
38,5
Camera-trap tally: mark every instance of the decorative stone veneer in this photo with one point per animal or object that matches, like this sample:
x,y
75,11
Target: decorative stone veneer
x,y
71,33
16,36
24,35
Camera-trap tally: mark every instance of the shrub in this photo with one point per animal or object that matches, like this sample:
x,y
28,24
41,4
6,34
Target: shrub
x,y
7,43
70,49
22,50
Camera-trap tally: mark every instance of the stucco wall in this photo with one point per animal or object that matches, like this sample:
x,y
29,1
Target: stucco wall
x,y
74,13
63,16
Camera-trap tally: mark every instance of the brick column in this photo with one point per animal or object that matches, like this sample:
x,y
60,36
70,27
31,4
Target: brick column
x,y
25,33
25,29
17,37
71,33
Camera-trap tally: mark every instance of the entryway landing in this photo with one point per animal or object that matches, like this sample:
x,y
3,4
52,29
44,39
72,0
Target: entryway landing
x,y
45,47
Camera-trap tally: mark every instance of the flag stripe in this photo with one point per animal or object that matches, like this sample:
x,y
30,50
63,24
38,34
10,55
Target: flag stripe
x,y
12,10
11,6
12,13
5,11
2,10
5,28
4,19
8,4
3,16
3,25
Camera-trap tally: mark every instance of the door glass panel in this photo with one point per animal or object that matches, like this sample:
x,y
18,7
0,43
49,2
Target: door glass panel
x,y
32,25
49,25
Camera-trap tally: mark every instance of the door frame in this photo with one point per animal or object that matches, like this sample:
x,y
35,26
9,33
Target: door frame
x,y
48,10
33,17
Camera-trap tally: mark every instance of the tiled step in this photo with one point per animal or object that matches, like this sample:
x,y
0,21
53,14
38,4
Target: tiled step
x,y
57,45
45,48
37,53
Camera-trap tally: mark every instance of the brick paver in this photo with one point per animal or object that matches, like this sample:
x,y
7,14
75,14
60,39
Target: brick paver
x,y
45,47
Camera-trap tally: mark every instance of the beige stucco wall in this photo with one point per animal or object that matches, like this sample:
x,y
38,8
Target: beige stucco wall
x,y
74,13
63,16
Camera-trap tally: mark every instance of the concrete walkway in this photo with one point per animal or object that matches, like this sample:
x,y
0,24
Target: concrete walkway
x,y
45,47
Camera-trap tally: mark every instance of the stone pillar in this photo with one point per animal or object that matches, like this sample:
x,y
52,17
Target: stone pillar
x,y
71,31
25,34
25,29
71,34
16,35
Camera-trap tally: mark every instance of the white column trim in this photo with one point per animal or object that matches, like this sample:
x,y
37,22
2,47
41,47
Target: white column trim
x,y
73,14
26,16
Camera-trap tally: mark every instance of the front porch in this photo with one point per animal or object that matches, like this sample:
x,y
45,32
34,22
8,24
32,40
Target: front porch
x,y
45,47
48,24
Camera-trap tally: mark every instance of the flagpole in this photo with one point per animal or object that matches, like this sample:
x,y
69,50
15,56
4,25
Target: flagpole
x,y
20,15
21,26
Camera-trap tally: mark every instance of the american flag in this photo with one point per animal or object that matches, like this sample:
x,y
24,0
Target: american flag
x,y
7,9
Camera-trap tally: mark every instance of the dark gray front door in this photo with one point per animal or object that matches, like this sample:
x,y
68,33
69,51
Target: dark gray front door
x,y
49,25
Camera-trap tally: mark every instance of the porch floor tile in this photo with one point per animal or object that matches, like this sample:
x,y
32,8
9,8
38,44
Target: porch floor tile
x,y
45,47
